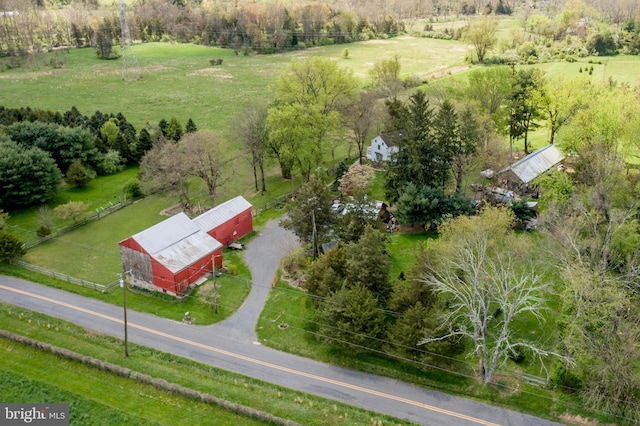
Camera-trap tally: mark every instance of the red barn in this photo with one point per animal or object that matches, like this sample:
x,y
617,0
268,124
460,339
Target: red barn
x,y
170,256
227,222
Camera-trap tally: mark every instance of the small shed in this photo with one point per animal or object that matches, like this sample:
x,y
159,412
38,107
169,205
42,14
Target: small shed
x,y
170,256
227,222
528,168
383,147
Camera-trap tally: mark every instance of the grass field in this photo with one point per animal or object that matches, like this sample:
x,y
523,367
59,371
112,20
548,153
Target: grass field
x,y
178,81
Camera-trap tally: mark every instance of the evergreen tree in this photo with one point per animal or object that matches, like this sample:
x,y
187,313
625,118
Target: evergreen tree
x,y
78,175
190,127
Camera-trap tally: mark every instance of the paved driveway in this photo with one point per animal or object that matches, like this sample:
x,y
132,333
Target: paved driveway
x,y
262,255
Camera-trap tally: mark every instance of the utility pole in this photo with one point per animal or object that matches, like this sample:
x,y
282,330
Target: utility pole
x,y
215,285
314,245
124,304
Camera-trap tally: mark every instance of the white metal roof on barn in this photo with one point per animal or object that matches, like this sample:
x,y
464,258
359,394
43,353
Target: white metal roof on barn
x,y
220,214
177,242
536,163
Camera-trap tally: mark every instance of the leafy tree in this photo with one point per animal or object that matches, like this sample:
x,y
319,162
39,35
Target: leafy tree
x,y
595,240
610,121
27,176
351,317
109,162
73,210
556,188
485,272
64,144
10,247
316,81
104,41
385,76
561,101
78,175
109,133
524,105
45,221
309,96
490,87
310,217
483,34
299,134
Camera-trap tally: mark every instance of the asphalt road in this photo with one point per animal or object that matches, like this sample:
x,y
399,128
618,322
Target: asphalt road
x,y
232,345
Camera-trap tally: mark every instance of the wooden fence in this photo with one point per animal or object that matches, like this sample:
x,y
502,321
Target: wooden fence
x,y
104,288
100,213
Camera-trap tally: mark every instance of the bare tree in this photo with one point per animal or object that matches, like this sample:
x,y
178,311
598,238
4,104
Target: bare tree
x,y
202,154
487,285
162,169
251,130
362,115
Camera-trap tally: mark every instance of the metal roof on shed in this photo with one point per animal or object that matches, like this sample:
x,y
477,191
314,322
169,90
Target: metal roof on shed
x,y
536,163
177,242
166,233
220,214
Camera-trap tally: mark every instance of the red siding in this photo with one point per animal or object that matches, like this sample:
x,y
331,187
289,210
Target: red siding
x,y
234,228
133,245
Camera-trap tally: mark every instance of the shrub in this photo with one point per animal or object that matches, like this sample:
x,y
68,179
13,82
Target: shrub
x,y
132,189
73,210
43,231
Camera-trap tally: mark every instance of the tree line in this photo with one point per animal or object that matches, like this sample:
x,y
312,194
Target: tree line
x,y
41,148
271,27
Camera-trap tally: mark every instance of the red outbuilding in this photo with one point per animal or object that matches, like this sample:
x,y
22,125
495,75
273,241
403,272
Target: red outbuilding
x,y
227,222
170,256
175,254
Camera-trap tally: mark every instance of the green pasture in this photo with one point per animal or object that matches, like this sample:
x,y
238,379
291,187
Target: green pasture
x,y
105,399
178,80
623,69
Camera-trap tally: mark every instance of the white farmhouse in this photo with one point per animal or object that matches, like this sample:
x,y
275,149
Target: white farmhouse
x,y
382,147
